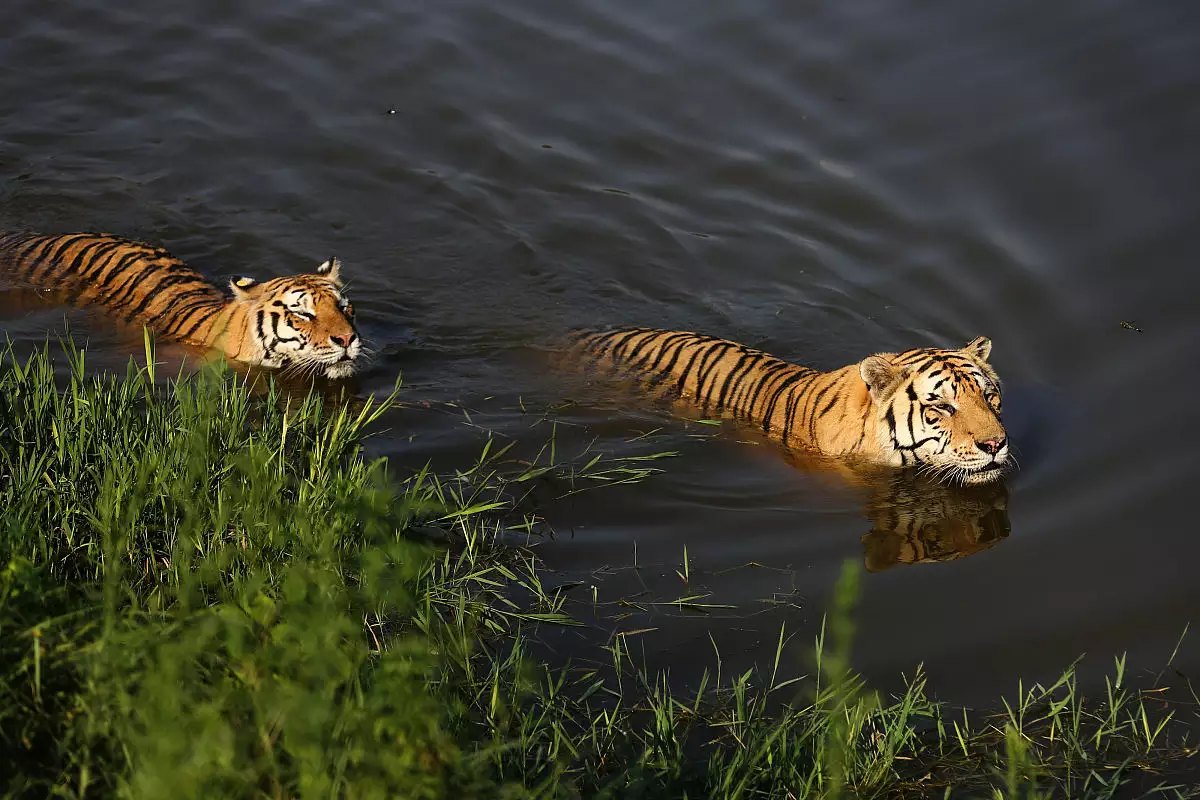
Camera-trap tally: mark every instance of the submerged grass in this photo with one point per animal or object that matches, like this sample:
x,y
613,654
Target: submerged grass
x,y
208,594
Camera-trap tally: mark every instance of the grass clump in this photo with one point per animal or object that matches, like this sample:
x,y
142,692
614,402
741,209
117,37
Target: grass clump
x,y
622,732
208,594
186,579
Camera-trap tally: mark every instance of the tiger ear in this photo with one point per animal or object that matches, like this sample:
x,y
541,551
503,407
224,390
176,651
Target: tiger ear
x,y
979,348
881,375
330,270
242,288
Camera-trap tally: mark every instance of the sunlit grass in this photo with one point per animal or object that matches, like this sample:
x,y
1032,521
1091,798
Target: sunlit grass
x,y
208,593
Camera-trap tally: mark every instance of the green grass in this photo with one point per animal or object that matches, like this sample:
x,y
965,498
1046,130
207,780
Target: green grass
x,y
204,593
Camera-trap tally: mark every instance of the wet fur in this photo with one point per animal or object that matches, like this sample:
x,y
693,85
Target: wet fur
x,y
301,321
929,408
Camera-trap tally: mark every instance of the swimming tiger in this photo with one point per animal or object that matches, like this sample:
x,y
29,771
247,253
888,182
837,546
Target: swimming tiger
x,y
931,408
303,322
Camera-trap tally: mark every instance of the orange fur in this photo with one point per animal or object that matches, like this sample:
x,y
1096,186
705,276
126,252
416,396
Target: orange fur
x,y
302,321
937,409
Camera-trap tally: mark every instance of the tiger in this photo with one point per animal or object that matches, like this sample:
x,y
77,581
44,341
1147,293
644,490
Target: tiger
x,y
302,323
933,409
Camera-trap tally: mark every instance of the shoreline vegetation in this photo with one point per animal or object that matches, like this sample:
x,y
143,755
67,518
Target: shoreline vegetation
x,y
205,593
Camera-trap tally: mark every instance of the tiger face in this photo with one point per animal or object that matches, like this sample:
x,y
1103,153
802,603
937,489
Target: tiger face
x,y
939,410
302,322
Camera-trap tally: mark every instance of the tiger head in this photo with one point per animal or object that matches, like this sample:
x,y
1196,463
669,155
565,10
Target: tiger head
x,y
302,322
939,410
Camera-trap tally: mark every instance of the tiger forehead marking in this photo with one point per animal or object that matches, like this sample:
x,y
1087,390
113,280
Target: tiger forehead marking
x,y
930,408
302,321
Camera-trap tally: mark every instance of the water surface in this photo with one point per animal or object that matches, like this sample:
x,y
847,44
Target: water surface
x,y
821,181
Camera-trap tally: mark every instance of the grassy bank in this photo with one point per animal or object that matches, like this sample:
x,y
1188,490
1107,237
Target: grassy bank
x,y
206,594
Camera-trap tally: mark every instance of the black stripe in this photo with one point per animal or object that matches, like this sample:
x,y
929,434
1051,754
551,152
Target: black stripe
x,y
43,247
23,247
82,262
33,256
102,272
278,336
729,377
127,259
862,431
817,398
658,376
597,343
101,259
169,316
770,372
617,345
644,351
747,384
136,272
913,412
716,351
683,375
154,292
207,313
765,381
742,383
793,404
918,445
828,406
179,311
577,336
770,409
808,410
664,342
50,260
666,371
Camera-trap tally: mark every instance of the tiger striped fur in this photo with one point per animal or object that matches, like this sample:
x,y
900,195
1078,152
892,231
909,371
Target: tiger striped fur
x,y
301,321
931,408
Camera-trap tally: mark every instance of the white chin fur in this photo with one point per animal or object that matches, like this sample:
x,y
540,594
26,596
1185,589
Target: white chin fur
x,y
340,369
977,478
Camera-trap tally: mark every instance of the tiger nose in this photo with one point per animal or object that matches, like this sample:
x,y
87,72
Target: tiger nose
x,y
991,446
345,340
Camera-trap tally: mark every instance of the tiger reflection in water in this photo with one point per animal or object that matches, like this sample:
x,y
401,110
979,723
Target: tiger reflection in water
x,y
932,413
915,519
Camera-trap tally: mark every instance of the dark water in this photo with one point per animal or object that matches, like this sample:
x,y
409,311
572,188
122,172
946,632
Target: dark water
x,y
819,180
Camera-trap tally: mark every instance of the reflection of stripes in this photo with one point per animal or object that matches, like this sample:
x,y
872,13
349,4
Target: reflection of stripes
x,y
141,282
